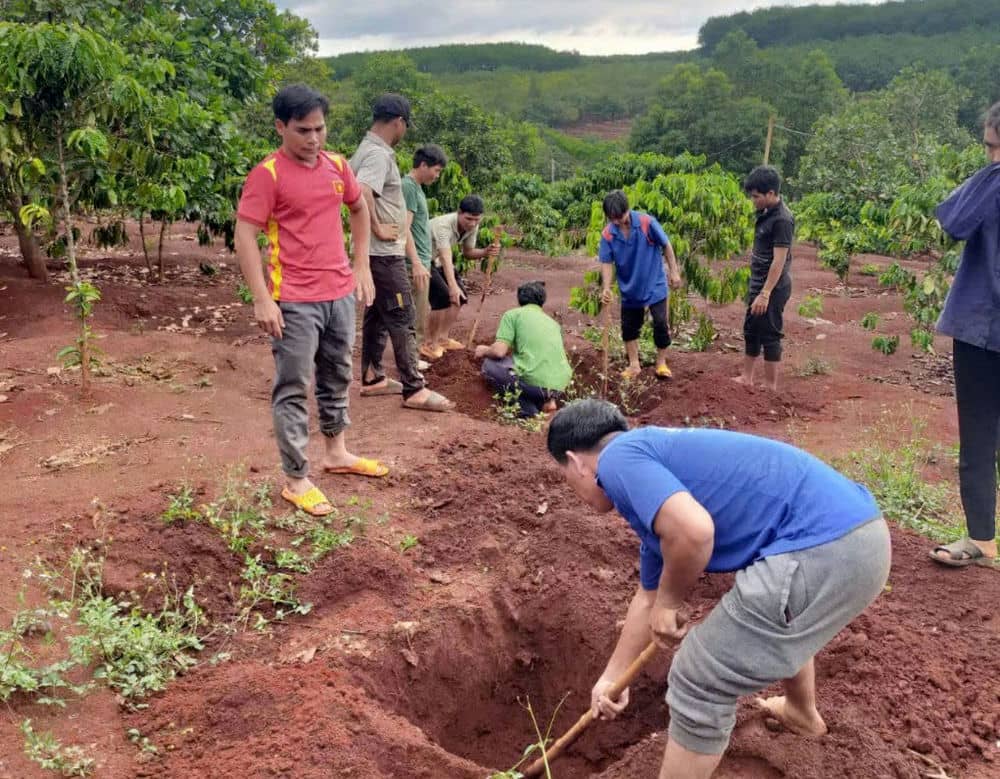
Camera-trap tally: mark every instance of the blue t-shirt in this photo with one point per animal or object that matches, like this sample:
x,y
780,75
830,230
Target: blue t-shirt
x,y
638,263
765,497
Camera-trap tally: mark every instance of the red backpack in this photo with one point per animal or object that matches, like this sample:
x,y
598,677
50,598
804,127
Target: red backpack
x,y
644,221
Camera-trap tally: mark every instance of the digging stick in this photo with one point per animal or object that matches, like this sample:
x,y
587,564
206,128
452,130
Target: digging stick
x,y
536,768
491,261
605,346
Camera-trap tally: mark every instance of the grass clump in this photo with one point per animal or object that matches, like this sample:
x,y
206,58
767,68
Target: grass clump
x,y
894,475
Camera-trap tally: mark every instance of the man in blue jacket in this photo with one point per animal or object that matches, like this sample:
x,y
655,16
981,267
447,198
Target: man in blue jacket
x,y
971,316
809,548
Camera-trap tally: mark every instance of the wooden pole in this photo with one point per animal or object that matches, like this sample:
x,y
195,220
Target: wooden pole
x,y
606,347
491,261
770,136
614,692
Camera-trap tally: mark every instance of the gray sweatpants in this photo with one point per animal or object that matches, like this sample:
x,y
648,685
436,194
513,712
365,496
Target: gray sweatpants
x,y
780,612
317,341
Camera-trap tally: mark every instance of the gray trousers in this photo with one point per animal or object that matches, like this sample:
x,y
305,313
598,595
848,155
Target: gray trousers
x,y
780,612
316,342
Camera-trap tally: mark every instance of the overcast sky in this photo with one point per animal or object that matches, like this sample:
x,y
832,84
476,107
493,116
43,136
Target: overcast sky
x,y
589,26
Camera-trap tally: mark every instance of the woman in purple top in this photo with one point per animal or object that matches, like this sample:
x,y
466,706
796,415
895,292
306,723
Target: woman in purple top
x,y
971,317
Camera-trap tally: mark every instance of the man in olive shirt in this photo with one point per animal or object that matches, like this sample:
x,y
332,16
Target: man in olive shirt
x,y
391,315
539,370
428,161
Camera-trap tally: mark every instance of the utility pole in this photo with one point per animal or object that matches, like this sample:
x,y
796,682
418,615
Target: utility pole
x,y
553,161
770,135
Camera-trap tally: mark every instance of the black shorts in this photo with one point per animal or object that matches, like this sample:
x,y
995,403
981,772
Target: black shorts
x,y
764,332
438,291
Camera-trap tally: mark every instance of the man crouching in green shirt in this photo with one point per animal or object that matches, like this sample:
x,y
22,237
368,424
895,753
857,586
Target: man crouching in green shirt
x,y
538,370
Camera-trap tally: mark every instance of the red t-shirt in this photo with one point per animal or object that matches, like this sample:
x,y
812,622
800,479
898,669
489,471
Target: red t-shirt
x,y
299,209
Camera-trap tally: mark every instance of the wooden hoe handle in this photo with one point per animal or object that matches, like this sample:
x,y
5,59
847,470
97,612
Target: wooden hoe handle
x,y
490,262
536,768
606,348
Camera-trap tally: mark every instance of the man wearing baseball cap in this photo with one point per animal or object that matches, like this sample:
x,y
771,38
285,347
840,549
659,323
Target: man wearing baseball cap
x,y
392,314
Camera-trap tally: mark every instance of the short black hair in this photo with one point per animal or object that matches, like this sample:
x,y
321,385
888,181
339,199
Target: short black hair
x,y
615,204
430,155
297,101
763,179
582,425
390,105
472,204
992,118
531,292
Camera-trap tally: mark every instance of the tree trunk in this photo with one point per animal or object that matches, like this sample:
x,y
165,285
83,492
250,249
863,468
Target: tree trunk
x,y
145,249
30,252
159,249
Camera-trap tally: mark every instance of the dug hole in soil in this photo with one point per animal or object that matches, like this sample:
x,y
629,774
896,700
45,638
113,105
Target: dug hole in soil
x,y
421,664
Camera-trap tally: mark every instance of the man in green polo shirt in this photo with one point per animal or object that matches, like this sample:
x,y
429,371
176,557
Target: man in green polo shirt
x,y
538,369
428,162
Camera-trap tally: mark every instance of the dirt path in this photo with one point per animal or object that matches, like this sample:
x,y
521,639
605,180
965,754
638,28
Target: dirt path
x,y
415,664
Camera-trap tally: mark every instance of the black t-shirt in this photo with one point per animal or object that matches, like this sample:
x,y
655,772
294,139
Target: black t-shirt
x,y
775,227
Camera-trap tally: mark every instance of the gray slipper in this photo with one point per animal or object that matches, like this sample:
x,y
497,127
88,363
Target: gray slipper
x,y
962,553
391,387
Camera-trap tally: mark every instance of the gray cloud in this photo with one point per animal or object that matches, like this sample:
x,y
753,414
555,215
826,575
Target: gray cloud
x,y
587,25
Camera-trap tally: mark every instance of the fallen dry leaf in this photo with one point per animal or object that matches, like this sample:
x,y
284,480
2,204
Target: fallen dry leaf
x,y
410,656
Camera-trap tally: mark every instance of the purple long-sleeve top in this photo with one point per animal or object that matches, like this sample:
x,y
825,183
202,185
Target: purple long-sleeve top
x,y
972,214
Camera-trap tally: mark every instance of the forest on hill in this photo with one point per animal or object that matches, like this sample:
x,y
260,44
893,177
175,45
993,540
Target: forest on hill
x,y
866,46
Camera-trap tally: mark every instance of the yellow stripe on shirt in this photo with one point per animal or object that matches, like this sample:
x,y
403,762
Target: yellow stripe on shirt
x,y
269,165
272,237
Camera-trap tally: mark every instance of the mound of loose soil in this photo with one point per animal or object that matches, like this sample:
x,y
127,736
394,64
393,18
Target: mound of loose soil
x,y
457,376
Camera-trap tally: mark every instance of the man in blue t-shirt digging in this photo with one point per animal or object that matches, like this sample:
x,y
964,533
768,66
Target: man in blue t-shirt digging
x,y
809,548
636,247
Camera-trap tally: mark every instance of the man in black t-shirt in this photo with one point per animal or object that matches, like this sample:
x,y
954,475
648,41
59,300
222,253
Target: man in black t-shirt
x,y
770,280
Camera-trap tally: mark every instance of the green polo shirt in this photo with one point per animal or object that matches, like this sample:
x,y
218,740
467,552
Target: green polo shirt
x,y
536,341
416,204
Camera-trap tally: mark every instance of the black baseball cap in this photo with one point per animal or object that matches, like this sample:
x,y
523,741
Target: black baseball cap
x,y
389,106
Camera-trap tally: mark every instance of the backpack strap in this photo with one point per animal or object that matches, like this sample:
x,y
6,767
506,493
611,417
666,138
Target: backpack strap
x,y
645,220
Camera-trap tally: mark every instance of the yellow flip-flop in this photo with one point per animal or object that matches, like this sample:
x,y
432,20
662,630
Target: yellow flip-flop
x,y
663,372
308,501
362,467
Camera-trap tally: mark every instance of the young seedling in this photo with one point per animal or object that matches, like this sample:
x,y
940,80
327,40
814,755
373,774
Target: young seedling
x,y
885,344
811,306
407,543
870,320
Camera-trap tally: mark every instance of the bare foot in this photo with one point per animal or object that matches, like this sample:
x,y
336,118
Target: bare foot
x,y
299,487
746,382
631,372
345,460
800,722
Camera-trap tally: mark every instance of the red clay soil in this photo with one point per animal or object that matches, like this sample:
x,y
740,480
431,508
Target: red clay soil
x,y
419,664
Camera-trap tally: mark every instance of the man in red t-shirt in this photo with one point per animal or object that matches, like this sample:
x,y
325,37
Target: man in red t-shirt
x,y
306,304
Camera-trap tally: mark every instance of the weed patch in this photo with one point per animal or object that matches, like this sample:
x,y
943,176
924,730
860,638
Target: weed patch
x,y
894,474
45,750
815,366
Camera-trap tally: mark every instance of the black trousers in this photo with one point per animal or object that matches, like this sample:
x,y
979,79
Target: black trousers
x,y
391,316
977,391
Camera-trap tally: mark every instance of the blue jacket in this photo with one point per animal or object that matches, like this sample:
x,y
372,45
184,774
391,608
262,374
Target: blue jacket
x,y
972,214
